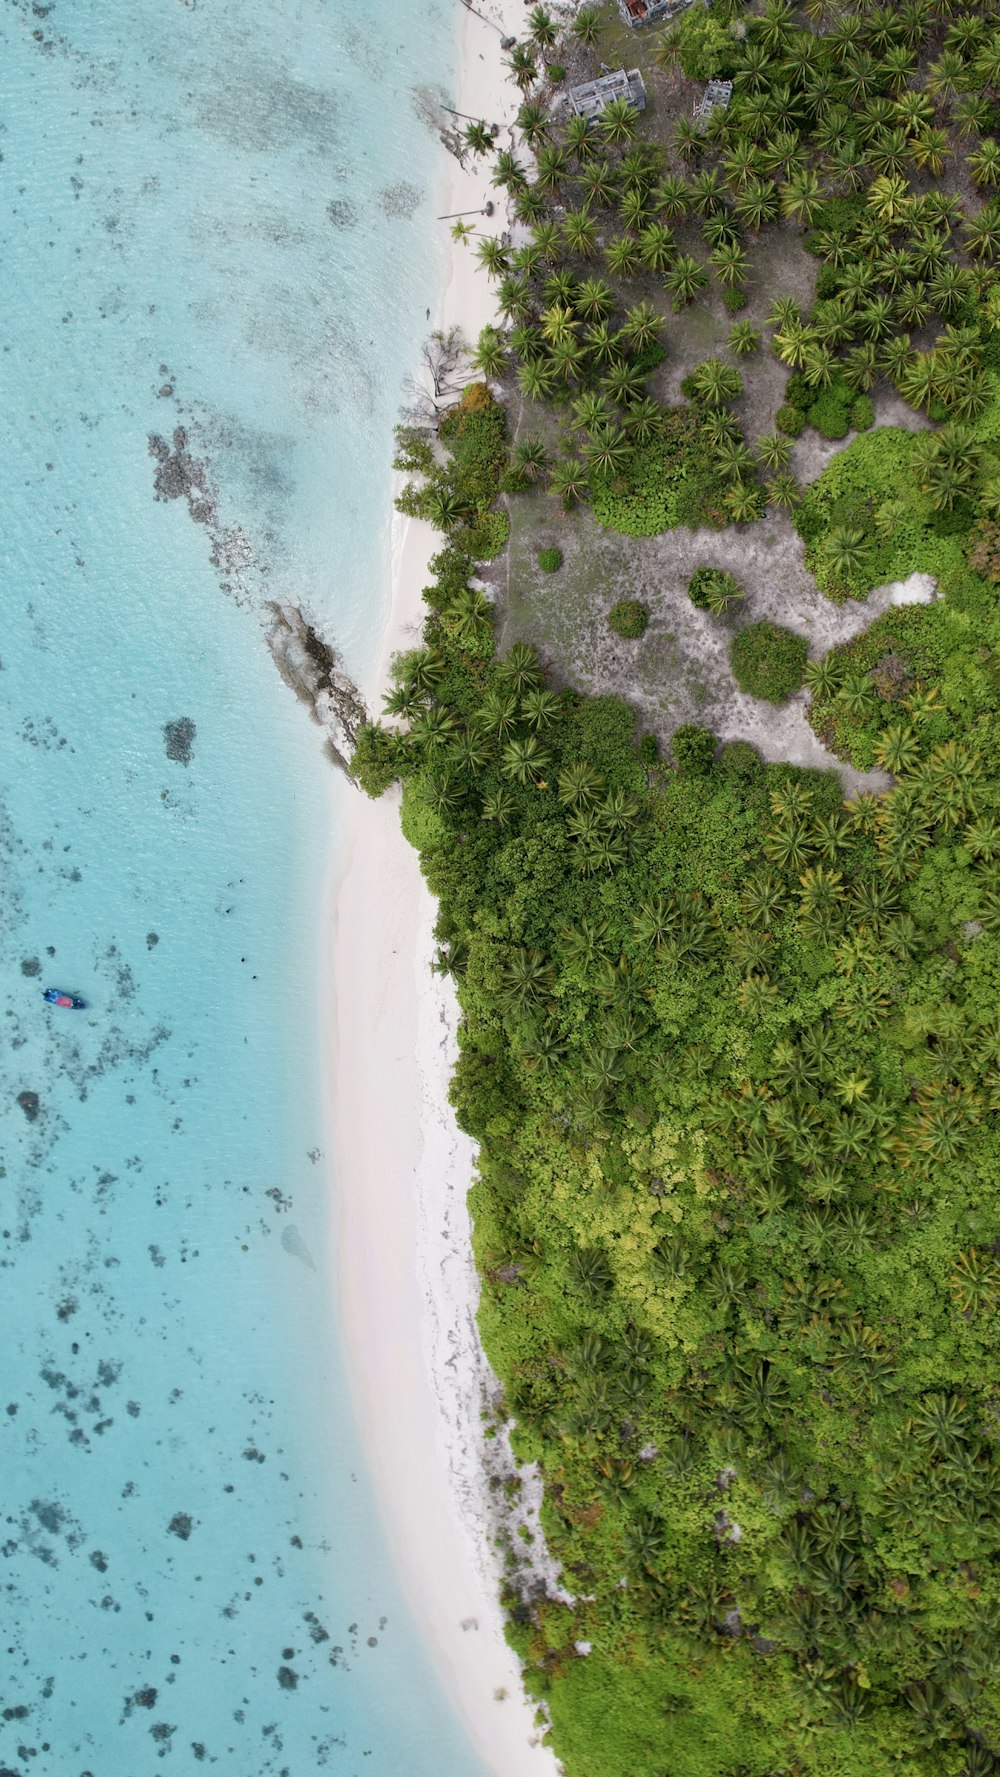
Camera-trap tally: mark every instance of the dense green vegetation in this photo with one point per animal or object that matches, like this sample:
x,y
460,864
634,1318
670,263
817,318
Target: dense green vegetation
x,y
731,1052
628,619
730,1044
768,661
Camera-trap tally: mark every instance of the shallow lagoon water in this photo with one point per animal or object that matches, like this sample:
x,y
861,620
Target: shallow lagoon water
x,y
212,216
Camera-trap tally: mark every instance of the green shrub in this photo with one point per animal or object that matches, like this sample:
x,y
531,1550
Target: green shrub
x,y
514,481
768,661
798,392
693,748
486,538
628,619
673,480
734,299
378,758
705,47
831,412
550,560
649,751
556,72
827,282
790,420
741,762
862,413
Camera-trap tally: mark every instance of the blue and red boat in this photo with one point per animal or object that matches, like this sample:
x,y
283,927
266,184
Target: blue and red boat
x,y
57,996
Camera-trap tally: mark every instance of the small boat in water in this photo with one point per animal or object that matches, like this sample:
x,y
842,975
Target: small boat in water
x,y
56,996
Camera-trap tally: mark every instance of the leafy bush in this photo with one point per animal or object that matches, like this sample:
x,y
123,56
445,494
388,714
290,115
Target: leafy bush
x,y
673,480
734,299
790,420
693,748
799,393
514,481
768,661
629,619
550,560
741,762
486,538
830,413
379,758
862,413
705,47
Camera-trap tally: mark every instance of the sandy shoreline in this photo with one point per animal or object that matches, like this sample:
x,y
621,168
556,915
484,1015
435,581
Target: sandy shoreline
x,y
407,1286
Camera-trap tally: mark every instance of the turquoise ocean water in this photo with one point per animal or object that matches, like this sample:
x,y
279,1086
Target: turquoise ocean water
x,y
213,215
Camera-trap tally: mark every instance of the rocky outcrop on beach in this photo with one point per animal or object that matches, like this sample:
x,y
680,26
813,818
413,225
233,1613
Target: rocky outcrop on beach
x,y
313,670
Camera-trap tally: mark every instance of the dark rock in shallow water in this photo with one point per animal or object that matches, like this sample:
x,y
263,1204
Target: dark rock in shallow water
x,y
178,738
287,1679
311,668
31,966
342,212
181,1524
30,1104
152,939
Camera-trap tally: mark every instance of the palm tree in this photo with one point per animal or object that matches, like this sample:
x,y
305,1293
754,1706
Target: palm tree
x,y
930,151
526,977
982,236
478,136
889,198
593,299
801,197
525,759
860,366
744,502
533,122
551,166
642,326
569,482
508,171
672,197
643,420
580,233
467,615
541,29
537,379
599,184
688,140
783,490
843,551
579,785
774,450
743,338
432,728
523,66
617,121
540,708
685,278
623,256
586,27
736,462
758,204
898,749
519,670
623,383
490,355
603,345
530,458
729,262
608,451
656,246
580,137
716,383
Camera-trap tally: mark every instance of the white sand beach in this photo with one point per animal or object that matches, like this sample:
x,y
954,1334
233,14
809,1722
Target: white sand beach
x,y
408,1287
